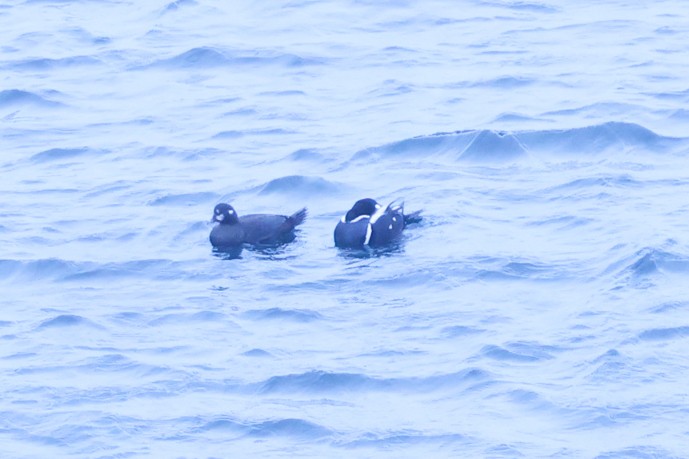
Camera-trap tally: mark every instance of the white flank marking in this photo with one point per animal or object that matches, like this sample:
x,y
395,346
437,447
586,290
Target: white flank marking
x,y
369,231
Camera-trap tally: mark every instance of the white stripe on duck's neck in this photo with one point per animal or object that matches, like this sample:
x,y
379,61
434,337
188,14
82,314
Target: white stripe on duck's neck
x,y
380,211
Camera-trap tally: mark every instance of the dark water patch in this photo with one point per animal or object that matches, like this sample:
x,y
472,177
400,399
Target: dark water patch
x,y
17,97
295,315
209,57
45,64
661,334
401,439
184,199
300,185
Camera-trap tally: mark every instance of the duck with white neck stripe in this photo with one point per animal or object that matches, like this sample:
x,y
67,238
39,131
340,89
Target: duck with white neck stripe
x,y
369,224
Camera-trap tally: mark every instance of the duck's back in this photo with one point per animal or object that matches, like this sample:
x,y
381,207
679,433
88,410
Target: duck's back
x,y
386,229
266,229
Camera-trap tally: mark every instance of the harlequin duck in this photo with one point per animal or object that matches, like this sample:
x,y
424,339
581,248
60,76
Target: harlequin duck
x,y
255,229
368,224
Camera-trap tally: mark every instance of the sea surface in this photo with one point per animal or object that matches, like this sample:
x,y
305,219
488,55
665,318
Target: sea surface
x,y
540,309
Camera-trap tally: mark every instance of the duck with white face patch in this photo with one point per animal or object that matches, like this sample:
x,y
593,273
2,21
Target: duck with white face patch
x,y
369,224
233,231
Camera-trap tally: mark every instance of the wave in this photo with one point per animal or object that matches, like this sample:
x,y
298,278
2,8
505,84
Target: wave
x,y
300,184
14,97
490,145
184,199
638,452
522,6
209,57
67,320
288,427
655,334
649,261
58,154
70,271
518,352
44,64
322,381
404,438
295,315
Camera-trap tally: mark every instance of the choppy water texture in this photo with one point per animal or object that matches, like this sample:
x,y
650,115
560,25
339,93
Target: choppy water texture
x,y
540,310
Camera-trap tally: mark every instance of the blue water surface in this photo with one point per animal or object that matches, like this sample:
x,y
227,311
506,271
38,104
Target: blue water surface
x,y
540,309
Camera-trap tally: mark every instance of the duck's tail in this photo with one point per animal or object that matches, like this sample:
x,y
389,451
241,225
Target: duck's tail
x,y
414,217
298,217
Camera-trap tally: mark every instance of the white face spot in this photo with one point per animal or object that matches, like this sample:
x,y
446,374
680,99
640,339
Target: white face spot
x,y
390,227
220,217
231,212
394,219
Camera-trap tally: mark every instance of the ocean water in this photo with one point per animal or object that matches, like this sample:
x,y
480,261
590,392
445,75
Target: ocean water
x,y
541,308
